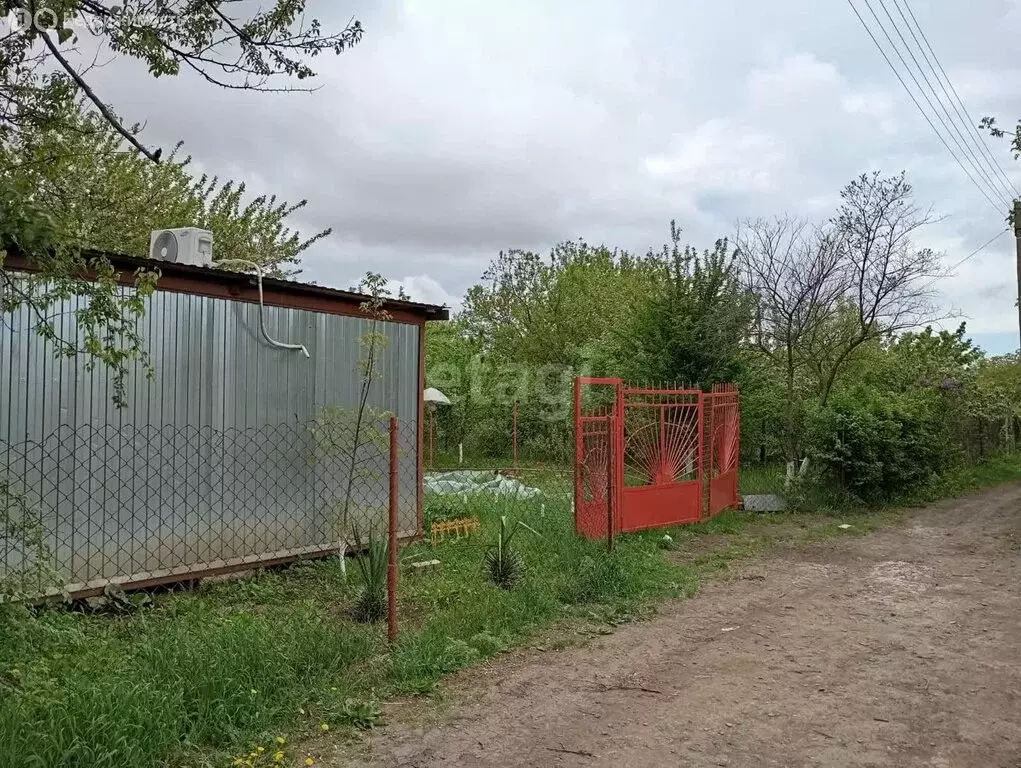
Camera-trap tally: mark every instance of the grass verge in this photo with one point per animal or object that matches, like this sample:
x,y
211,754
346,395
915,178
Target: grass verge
x,y
236,672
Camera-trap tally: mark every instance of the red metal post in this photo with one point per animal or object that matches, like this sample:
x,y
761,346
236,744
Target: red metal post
x,y
515,432
701,454
432,437
618,453
611,432
737,443
578,452
391,571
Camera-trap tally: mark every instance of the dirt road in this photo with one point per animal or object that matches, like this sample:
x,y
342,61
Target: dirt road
x,y
902,648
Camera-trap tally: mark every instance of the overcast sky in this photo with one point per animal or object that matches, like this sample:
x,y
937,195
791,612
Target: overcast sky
x,y
459,128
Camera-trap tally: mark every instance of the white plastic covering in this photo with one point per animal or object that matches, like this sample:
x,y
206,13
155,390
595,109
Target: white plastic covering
x,y
476,481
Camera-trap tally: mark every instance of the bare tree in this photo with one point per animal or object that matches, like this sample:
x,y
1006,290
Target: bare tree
x,y
797,275
822,292
889,281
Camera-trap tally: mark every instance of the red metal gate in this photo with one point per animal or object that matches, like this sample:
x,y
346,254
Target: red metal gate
x,y
724,416
640,457
596,448
661,430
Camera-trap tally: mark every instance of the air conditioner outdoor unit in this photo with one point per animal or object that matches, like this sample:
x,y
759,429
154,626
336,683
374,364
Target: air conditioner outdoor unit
x,y
186,245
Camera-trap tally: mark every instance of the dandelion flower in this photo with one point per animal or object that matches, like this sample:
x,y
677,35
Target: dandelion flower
x,y
260,750
325,727
281,740
278,757
309,761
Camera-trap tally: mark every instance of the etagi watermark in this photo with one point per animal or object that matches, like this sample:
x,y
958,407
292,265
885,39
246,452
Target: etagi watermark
x,y
47,19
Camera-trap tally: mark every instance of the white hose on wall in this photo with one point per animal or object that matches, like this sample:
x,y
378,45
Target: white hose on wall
x,y
262,308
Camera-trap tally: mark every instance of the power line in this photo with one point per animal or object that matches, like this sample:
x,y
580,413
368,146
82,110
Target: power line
x,y
977,251
981,248
960,142
922,91
967,118
924,114
970,129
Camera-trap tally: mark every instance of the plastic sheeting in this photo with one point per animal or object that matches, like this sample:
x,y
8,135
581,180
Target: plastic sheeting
x,y
467,482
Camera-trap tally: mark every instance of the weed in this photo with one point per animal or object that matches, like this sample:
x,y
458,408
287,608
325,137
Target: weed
x,y
363,715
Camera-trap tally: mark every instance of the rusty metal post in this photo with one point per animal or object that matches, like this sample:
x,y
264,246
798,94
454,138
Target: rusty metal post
x,y
391,571
515,433
432,437
611,427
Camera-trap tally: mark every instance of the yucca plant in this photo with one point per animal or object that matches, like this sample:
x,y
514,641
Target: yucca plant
x,y
370,605
504,565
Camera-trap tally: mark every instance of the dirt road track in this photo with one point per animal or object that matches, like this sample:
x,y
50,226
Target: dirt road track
x,y
902,648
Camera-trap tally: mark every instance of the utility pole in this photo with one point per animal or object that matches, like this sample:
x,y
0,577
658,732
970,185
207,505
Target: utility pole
x,y
1017,251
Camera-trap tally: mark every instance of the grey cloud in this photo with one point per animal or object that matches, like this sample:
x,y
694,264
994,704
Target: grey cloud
x,y
457,129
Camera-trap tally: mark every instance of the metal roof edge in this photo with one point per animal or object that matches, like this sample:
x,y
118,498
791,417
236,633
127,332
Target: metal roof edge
x,y
189,271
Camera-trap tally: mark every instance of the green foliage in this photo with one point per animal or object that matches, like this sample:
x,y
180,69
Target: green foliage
x,y
370,603
65,194
504,565
825,294
100,196
105,312
363,715
226,46
27,569
534,323
691,325
878,444
529,308
909,409
439,508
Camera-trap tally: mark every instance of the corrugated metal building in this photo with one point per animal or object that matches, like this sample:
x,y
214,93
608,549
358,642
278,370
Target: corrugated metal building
x,y
214,464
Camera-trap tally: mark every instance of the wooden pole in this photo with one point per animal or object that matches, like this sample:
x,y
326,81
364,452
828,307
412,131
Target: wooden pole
x,y
1017,254
391,570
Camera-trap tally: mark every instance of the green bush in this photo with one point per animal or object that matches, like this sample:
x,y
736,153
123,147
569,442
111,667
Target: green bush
x,y
878,445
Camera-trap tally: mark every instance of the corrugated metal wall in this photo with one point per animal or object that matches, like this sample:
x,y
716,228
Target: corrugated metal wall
x,y
213,462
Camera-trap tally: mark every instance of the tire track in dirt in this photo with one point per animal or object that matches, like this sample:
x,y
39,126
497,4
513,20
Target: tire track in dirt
x,y
901,648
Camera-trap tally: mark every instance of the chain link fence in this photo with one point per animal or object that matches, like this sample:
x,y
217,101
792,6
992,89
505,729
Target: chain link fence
x,y
141,506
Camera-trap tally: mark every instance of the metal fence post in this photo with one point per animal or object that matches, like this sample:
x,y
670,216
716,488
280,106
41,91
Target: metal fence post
x,y
515,433
391,572
611,427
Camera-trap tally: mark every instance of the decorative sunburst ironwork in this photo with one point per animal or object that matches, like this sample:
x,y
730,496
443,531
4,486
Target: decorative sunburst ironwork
x,y
660,444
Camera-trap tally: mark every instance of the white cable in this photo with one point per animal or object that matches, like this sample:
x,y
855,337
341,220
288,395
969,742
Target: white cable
x,y
262,308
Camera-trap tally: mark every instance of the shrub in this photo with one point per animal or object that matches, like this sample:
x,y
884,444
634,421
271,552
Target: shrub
x,y
503,564
370,604
879,444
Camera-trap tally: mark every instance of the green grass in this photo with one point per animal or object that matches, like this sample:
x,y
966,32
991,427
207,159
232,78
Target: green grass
x,y
204,677
994,470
